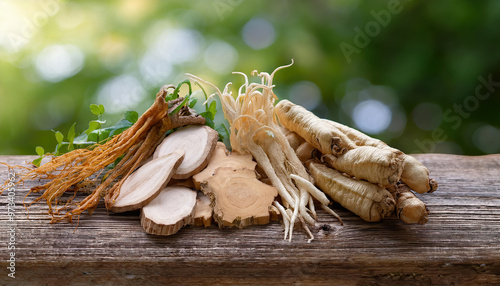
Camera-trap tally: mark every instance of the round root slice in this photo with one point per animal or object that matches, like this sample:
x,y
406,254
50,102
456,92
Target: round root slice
x,y
172,209
197,141
239,199
220,158
146,182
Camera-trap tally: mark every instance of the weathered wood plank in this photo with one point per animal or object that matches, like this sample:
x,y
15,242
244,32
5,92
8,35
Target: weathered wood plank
x,y
460,245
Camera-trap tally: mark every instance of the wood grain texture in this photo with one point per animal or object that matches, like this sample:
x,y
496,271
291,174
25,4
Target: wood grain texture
x,y
460,245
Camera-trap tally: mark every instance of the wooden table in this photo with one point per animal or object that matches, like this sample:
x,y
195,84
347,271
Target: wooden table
x,y
460,245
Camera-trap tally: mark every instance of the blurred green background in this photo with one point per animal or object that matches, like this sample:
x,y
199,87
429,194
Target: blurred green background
x,y
412,73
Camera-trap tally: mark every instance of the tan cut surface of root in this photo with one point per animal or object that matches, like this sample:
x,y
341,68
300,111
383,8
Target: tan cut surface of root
x,y
379,166
197,141
370,202
203,211
238,198
147,182
318,133
172,209
409,208
416,176
221,158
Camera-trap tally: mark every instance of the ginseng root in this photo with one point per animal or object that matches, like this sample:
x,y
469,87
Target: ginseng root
x,y
370,202
409,208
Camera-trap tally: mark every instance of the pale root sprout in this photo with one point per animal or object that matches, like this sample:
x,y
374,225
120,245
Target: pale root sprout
x,y
254,130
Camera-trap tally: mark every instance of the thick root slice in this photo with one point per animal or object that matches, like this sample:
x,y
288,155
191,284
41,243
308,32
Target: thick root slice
x,y
370,202
203,211
416,176
409,208
197,141
238,198
172,209
317,132
379,166
221,158
147,182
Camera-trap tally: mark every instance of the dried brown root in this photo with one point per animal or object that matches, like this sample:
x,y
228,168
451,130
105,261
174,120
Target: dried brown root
x,y
370,202
238,198
80,167
379,166
221,158
409,208
197,141
172,209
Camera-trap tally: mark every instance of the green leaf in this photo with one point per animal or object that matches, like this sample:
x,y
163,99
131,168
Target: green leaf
x,y
39,150
192,103
95,109
59,137
101,109
178,88
223,132
93,125
71,136
132,116
37,162
209,122
212,109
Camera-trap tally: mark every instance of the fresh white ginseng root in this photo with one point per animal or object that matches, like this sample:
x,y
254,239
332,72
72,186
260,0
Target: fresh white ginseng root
x,y
146,182
379,166
369,201
172,209
416,176
197,141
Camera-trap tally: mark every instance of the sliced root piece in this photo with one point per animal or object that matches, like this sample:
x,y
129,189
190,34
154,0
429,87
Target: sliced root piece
x,y
172,209
379,166
197,141
367,200
203,211
409,208
146,182
416,176
239,199
221,158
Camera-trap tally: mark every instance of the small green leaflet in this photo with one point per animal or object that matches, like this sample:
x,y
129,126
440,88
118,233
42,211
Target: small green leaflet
x,y
39,150
97,109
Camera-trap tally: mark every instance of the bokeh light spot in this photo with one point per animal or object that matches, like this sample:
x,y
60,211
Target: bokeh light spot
x,y
487,139
372,116
58,62
120,94
427,115
221,57
258,33
305,93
